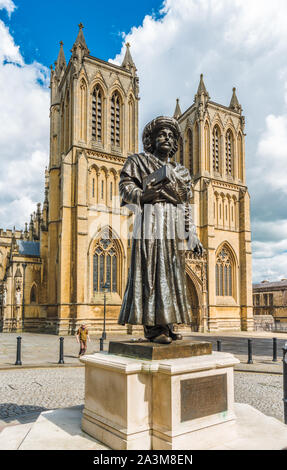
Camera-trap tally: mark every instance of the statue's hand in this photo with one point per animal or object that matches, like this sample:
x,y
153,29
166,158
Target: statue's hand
x,y
151,193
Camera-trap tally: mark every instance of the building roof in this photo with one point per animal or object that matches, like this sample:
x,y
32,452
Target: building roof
x,y
266,285
28,248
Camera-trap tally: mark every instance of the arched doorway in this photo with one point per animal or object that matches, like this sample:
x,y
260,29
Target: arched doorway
x,y
194,303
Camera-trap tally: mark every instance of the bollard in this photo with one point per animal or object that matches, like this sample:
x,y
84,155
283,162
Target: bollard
x,y
250,361
274,350
285,382
101,344
219,345
18,355
61,358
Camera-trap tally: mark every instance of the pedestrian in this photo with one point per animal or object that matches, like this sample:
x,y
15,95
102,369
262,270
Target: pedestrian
x,y
82,337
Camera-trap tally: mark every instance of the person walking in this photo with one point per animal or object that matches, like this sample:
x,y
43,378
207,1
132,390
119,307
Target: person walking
x,y
82,337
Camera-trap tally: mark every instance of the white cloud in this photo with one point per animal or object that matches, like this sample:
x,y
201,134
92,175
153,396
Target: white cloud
x,y
7,5
24,137
236,43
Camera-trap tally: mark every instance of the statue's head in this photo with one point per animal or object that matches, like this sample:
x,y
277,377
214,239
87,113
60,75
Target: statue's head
x,y
155,127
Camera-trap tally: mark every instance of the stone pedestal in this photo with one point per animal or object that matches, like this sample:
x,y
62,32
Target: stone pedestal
x,y
175,403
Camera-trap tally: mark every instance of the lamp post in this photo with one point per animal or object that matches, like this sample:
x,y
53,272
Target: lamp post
x,y
105,288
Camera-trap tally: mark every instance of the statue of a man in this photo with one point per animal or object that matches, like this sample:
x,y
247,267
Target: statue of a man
x,y
156,294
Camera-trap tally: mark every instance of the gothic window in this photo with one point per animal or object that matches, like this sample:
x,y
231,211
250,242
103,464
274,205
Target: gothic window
x,y
181,160
215,148
131,125
102,190
228,153
105,265
83,110
33,295
111,191
223,273
190,150
97,114
115,120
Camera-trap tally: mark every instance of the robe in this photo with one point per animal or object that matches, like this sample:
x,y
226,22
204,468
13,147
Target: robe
x,y
156,292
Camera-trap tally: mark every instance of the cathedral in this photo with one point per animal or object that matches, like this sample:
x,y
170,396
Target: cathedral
x,y
75,253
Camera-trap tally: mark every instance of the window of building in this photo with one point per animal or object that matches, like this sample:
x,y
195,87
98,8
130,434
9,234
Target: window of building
x,y
115,120
33,295
105,265
223,273
215,148
257,299
271,300
265,299
190,150
97,113
181,159
228,153
111,191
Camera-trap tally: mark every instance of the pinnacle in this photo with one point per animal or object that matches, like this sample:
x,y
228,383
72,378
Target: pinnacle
x,y
234,103
201,86
81,39
177,112
128,61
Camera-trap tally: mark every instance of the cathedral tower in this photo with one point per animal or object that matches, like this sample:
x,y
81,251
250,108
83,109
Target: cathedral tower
x,y
213,148
94,126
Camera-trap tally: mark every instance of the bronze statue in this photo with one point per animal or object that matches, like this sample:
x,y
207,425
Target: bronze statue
x,y
156,295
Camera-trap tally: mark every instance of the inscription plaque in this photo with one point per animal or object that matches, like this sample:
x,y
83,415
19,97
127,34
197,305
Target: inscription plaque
x,y
203,396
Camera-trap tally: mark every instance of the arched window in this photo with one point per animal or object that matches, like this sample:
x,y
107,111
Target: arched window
x,y
228,153
240,157
190,150
116,120
223,273
33,295
105,265
181,159
83,111
215,148
97,114
131,130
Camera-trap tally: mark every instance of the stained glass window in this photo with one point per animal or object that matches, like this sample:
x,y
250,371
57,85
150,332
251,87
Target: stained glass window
x,y
223,273
105,265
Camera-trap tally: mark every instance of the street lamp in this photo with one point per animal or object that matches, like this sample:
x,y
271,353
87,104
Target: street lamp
x,y
105,288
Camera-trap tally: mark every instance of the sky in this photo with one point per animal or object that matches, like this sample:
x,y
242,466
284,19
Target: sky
x,y
232,42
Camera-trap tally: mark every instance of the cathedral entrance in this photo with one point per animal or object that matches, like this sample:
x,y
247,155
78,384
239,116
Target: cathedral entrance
x,y
194,303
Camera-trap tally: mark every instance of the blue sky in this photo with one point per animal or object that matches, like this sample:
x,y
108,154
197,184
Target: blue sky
x,y
233,43
37,28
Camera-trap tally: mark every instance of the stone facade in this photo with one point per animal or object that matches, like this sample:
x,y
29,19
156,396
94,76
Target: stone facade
x,y
270,298
81,238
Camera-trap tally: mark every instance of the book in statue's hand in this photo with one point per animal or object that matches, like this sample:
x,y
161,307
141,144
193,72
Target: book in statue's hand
x,y
162,175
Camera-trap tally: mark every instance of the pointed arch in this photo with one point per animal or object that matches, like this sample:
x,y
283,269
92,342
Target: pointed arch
x,y
216,148
34,294
83,109
206,146
196,148
229,152
240,156
98,113
225,271
106,254
189,150
116,118
131,124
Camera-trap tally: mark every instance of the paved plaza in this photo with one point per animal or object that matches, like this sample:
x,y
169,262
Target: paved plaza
x,y
41,384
